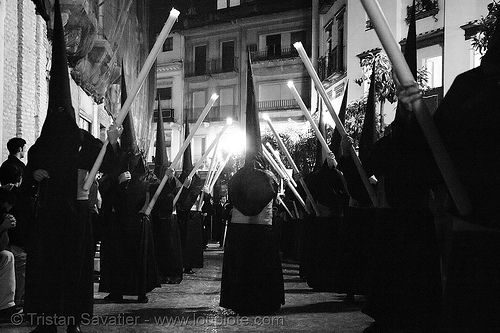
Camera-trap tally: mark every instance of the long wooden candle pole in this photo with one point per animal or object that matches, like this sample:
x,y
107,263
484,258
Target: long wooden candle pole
x,y
200,161
423,116
275,165
292,163
181,151
306,113
213,164
340,127
280,162
219,171
141,77
284,206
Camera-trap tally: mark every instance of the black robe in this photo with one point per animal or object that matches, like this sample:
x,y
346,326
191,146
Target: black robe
x,y
128,265
166,234
59,268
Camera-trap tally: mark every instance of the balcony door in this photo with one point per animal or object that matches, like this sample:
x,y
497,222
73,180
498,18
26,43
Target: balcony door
x,y
228,56
200,60
273,43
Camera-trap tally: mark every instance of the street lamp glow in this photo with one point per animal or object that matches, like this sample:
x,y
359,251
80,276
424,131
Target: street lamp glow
x,y
290,84
265,116
229,121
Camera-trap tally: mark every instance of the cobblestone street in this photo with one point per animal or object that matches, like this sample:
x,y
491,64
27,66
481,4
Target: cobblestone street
x,y
192,306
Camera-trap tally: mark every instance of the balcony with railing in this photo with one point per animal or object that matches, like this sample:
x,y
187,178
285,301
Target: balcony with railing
x,y
276,52
330,65
423,8
277,105
210,67
167,114
217,113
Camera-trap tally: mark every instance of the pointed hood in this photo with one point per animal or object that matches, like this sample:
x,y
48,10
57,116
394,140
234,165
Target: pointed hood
x,y
492,56
336,137
187,158
127,140
253,139
410,54
57,147
60,124
59,88
161,157
368,132
188,197
320,154
252,187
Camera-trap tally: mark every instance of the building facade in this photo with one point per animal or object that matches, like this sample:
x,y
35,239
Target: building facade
x,y
100,37
444,30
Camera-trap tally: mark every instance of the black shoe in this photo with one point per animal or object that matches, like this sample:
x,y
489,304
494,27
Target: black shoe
x,y
6,314
114,298
142,299
174,279
45,329
74,329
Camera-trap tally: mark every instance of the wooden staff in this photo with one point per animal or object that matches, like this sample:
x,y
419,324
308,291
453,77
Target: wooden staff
x,y
303,107
423,116
284,206
219,171
275,165
340,127
278,159
213,164
292,163
177,157
174,14
200,161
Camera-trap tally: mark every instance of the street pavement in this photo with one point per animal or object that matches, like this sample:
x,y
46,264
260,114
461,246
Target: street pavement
x,y
193,306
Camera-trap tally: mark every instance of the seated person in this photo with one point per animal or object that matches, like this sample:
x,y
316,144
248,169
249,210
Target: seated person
x,y
7,273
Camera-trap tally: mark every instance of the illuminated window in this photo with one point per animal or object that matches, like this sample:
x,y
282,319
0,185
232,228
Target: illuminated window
x,y
168,45
222,4
434,66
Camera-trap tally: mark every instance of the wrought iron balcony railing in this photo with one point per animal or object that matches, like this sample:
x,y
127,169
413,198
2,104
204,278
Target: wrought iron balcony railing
x,y
212,66
217,113
423,8
276,52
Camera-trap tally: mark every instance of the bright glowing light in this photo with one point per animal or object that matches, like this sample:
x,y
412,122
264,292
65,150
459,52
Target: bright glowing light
x,y
298,45
214,96
175,13
233,142
265,116
290,84
229,121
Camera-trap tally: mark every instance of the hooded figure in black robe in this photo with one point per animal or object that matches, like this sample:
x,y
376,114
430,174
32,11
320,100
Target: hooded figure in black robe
x,y
252,279
468,119
166,232
404,281
128,265
59,269
190,221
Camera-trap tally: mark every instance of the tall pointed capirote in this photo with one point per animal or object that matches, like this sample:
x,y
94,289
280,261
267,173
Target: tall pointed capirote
x,y
60,123
369,132
187,158
127,140
161,156
492,55
253,139
59,88
336,137
410,54
60,136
